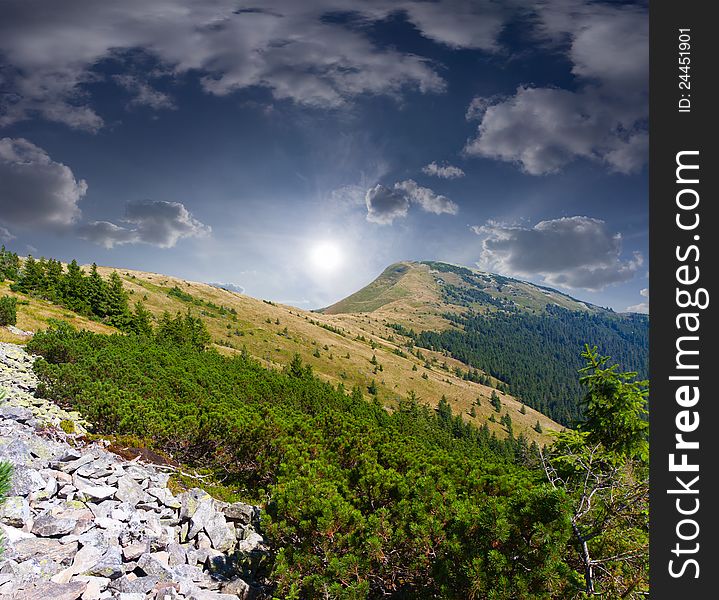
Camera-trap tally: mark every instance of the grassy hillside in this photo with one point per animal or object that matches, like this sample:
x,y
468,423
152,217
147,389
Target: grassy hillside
x,y
384,491
355,350
339,349
434,288
526,335
34,314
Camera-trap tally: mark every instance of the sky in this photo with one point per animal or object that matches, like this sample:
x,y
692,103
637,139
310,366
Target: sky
x,y
295,149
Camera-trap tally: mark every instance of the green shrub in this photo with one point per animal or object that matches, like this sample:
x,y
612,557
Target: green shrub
x,y
359,503
5,484
8,310
67,426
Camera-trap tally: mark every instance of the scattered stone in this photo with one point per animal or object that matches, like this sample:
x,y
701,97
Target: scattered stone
x,y
220,533
21,415
253,541
74,465
240,512
134,585
238,587
86,558
177,554
15,511
81,523
52,591
151,565
50,549
109,565
25,480
47,525
129,491
99,492
164,496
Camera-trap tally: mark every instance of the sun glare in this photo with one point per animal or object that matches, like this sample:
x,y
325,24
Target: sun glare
x,y
325,256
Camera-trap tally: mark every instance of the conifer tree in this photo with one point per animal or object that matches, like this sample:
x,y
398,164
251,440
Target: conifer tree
x,y
30,277
141,320
97,293
444,410
372,388
495,401
118,312
8,310
9,264
74,289
602,465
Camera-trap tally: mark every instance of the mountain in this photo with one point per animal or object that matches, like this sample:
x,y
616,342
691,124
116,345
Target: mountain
x,y
523,334
433,286
358,349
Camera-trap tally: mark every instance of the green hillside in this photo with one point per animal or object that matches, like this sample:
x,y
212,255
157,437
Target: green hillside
x,y
522,334
366,492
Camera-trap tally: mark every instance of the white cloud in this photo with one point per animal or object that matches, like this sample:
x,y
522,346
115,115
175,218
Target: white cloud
x,y
592,31
286,47
230,287
604,119
544,129
571,252
37,192
154,222
445,171
458,23
427,199
5,235
348,195
143,93
384,205
641,307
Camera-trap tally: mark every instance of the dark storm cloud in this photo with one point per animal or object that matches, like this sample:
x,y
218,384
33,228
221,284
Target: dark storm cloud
x,y
573,252
37,192
154,222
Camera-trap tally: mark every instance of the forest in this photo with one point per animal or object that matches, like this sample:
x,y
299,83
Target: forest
x,y
538,355
86,294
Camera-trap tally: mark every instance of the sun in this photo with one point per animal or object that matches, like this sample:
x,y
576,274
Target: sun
x,y
325,256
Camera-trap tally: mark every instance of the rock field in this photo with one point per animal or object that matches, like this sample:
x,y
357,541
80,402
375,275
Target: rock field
x,y
82,523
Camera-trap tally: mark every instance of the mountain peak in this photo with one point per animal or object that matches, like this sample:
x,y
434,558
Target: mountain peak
x,y
440,287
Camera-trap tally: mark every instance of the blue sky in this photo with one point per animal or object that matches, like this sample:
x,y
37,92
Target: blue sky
x,y
296,149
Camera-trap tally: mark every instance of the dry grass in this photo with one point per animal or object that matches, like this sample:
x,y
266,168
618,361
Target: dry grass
x,y
34,314
302,332
343,358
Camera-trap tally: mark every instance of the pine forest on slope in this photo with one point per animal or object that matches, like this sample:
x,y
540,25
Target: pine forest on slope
x,y
525,335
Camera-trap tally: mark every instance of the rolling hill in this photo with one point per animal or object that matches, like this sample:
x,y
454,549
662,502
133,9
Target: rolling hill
x,y
523,334
358,349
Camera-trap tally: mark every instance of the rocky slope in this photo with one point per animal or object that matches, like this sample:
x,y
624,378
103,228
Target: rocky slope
x,y
81,522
